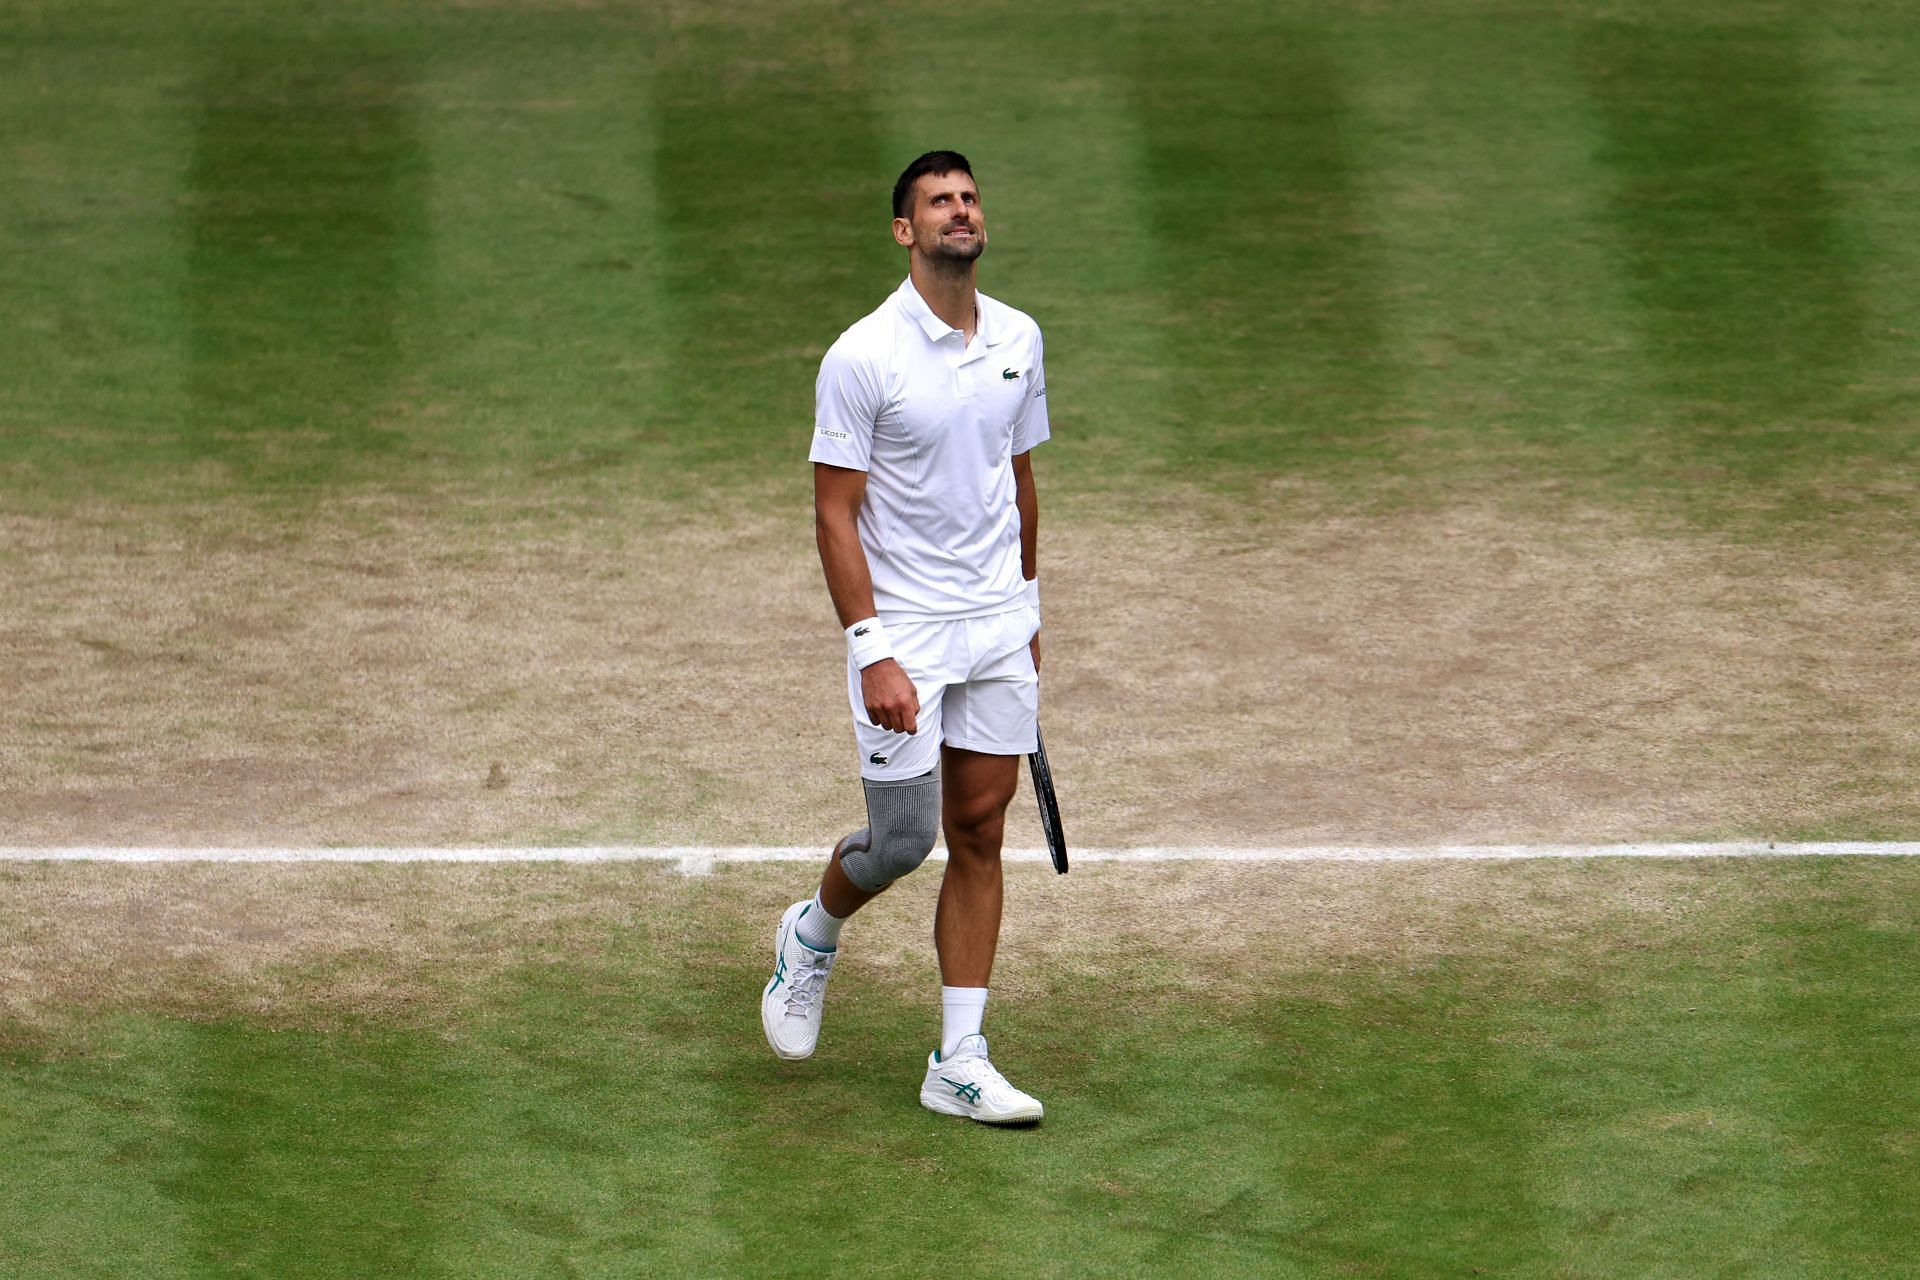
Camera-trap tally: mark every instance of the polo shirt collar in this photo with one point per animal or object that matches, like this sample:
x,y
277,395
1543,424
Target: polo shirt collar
x,y
932,325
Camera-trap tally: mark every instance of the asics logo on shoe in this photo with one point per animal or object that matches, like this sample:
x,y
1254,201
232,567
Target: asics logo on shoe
x,y
969,1092
779,976
1009,374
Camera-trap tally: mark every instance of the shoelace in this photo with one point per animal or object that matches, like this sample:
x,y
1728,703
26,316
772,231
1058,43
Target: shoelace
x,y
807,983
992,1073
985,1073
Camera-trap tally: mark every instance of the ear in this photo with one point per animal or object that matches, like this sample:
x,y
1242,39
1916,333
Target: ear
x,y
903,233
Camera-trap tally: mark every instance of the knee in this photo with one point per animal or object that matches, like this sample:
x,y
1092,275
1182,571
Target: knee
x,y
983,818
903,822
911,834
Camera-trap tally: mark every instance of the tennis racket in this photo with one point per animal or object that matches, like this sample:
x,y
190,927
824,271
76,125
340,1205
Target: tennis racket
x,y
1049,802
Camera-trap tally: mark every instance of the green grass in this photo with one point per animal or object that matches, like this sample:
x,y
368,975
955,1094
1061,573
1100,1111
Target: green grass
x,y
525,262
1542,1090
1639,256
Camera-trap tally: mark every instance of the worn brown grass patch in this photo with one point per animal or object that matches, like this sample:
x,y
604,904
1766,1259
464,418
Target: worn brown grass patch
x,y
1462,676
369,674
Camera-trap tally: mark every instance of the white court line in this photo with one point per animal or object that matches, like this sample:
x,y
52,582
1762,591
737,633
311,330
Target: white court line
x,y
701,859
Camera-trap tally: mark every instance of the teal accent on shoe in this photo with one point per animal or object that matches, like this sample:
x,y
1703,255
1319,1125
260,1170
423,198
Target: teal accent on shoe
x,y
969,1092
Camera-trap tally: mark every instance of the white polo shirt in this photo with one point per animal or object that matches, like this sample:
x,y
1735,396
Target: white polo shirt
x,y
935,422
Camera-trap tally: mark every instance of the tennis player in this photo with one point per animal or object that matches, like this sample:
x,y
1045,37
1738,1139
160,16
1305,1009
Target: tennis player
x,y
926,517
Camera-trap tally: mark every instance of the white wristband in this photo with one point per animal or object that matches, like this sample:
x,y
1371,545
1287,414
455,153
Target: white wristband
x,y
867,643
1032,586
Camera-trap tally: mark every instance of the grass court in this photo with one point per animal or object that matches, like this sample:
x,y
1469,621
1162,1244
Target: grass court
x,y
1524,397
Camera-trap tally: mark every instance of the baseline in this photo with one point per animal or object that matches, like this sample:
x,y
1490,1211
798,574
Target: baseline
x,y
702,859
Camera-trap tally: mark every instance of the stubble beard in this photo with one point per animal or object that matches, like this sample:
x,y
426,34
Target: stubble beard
x,y
956,254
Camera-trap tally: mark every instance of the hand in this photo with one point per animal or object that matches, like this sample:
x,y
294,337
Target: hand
x,y
892,701
1034,646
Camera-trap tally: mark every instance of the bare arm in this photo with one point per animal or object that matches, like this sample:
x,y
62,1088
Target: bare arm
x,y
1027,500
837,494
892,703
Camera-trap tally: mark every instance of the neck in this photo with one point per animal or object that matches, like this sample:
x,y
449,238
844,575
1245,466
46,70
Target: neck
x,y
948,290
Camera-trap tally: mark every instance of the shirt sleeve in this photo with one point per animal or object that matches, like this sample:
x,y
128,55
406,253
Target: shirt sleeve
x,y
1032,426
847,400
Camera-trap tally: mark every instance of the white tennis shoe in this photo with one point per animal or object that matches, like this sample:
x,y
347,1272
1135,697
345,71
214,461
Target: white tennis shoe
x,y
966,1084
790,1006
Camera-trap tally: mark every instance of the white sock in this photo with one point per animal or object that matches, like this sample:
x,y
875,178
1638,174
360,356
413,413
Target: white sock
x,y
817,928
961,1011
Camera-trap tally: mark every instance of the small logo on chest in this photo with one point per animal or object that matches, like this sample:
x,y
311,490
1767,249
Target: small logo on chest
x,y
1009,374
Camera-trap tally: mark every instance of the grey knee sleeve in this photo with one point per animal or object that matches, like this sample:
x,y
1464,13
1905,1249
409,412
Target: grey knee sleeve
x,y
903,819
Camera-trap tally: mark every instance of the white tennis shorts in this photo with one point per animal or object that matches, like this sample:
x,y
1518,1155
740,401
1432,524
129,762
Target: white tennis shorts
x,y
978,691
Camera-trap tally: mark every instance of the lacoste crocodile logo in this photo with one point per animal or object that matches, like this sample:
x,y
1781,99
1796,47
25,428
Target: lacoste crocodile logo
x,y
876,758
1009,374
860,631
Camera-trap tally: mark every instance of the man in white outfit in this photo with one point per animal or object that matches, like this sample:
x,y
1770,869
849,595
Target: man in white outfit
x,y
927,522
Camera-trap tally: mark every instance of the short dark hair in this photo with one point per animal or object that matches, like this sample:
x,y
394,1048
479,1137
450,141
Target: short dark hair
x,y
935,163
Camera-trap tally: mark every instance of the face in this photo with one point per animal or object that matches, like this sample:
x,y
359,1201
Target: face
x,y
945,222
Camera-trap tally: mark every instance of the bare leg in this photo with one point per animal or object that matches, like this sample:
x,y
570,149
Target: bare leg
x,y
840,895
966,925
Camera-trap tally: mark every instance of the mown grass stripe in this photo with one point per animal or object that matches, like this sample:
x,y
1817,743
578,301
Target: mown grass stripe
x,y
546,318
772,185
1746,282
1260,180
306,221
